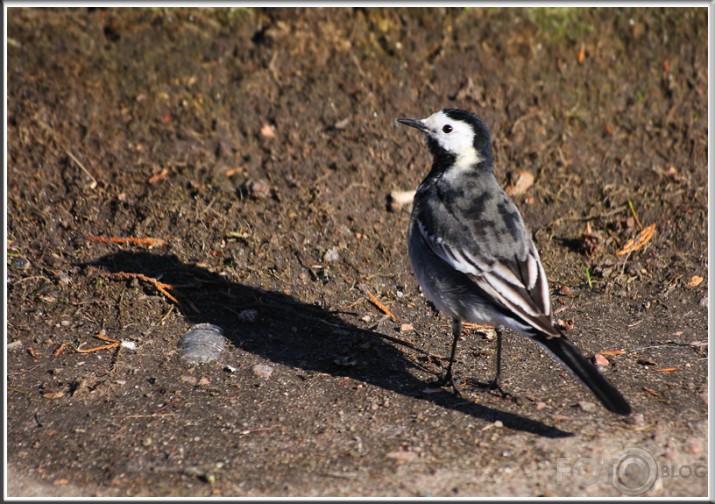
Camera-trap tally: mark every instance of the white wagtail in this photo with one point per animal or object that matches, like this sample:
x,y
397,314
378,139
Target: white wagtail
x,y
473,256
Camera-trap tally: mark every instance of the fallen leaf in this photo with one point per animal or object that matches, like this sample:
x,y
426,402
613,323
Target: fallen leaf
x,y
522,181
695,281
567,324
638,242
600,360
591,240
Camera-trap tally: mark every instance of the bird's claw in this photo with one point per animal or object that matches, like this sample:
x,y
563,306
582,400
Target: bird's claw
x,y
448,381
494,385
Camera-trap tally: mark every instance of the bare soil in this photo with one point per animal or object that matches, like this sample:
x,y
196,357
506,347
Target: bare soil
x,y
261,145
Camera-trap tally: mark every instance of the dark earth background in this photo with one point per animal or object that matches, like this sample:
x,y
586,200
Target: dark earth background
x,y
261,145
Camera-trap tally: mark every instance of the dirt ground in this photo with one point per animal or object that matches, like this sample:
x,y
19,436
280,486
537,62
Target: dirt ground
x,y
261,145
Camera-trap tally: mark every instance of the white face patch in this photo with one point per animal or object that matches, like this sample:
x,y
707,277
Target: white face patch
x,y
459,141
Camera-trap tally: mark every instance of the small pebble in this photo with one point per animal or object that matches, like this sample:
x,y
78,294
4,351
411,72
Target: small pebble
x,y
259,189
540,405
342,123
587,406
566,291
19,263
202,343
248,315
402,456
693,445
399,199
15,345
637,419
699,345
704,396
406,328
268,131
63,278
262,370
331,255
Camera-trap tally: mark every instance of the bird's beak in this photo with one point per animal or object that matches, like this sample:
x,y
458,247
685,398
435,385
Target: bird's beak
x,y
415,123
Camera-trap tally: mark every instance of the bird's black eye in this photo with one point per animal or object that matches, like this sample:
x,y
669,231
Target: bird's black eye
x,y
447,128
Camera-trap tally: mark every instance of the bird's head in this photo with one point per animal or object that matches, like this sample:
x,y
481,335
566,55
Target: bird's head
x,y
455,136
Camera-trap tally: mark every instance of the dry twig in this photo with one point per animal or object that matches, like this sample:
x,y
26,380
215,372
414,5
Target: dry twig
x,y
160,286
376,302
158,176
111,343
147,242
60,349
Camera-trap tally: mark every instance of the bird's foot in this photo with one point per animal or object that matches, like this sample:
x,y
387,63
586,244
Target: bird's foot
x,y
448,380
494,385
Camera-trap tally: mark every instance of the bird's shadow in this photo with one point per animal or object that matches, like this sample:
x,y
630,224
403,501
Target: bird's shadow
x,y
300,335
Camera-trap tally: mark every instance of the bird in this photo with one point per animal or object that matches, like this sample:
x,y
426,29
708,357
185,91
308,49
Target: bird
x,y
473,256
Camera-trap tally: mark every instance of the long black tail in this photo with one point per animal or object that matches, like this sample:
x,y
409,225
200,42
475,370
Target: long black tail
x,y
573,359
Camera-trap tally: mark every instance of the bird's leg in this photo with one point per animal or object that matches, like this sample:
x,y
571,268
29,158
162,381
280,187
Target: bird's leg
x,y
494,384
448,378
500,333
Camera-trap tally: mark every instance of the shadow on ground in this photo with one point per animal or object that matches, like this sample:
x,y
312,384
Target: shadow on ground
x,y
208,298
